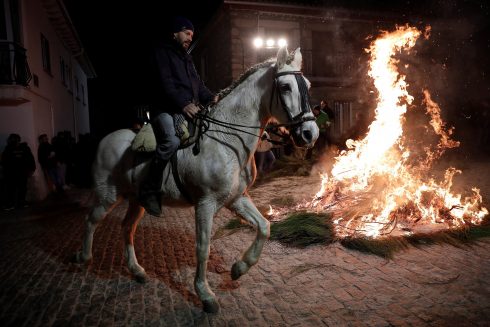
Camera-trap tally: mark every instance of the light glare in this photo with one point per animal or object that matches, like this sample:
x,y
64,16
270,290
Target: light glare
x,y
282,42
258,42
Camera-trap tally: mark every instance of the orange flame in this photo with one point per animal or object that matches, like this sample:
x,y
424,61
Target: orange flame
x,y
375,172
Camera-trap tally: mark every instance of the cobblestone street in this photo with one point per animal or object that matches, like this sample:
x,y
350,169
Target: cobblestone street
x,y
321,285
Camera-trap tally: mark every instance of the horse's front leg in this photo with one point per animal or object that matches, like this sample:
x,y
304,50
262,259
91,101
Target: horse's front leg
x,y
244,207
205,211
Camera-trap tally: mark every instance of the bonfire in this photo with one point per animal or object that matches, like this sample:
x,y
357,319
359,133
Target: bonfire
x,y
381,185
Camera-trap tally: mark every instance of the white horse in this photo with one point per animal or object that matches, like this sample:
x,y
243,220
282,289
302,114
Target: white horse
x,y
218,176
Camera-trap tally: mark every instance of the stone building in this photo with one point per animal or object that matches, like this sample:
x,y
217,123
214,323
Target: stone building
x,y
332,41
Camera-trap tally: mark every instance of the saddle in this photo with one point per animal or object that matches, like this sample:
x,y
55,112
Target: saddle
x,y
145,141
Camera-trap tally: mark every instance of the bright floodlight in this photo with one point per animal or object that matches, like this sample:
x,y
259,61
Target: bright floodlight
x,y
258,42
270,43
282,43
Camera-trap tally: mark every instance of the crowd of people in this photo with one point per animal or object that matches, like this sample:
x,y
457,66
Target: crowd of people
x,y
63,162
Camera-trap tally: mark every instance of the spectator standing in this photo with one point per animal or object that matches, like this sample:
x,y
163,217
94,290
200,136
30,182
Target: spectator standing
x,y
18,165
323,121
264,158
279,138
331,116
47,159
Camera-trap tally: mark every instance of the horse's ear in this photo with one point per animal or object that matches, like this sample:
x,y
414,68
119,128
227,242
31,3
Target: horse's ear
x,y
297,59
282,56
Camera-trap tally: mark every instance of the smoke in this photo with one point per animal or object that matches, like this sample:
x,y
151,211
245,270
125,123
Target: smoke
x,y
452,64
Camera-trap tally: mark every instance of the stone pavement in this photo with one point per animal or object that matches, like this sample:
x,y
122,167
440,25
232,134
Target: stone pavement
x,y
322,285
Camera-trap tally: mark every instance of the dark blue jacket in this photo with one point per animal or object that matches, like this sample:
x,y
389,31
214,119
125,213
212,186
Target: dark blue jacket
x,y
178,82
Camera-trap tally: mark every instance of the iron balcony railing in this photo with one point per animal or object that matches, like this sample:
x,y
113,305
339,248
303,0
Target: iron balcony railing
x,y
14,69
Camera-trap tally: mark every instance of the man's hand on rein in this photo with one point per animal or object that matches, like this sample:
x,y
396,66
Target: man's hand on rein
x,y
190,110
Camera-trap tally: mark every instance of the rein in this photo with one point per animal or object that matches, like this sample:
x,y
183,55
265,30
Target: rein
x,y
203,116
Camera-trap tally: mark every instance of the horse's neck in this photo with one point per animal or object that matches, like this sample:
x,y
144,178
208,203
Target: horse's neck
x,y
246,105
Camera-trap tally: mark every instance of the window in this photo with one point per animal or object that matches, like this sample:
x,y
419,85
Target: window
x,y
83,94
45,54
10,21
3,22
322,54
343,117
69,82
77,88
63,71
329,60
15,16
35,80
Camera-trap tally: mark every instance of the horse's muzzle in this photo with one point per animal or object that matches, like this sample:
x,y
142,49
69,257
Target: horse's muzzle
x,y
305,134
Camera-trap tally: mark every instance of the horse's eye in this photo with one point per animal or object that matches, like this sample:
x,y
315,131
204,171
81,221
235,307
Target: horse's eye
x,y
285,88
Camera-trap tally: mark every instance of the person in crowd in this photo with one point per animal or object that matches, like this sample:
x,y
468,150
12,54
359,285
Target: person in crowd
x,y
323,121
46,157
18,165
264,157
178,92
331,117
279,137
63,145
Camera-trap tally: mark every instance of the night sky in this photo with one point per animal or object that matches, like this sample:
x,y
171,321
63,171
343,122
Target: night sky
x,y
117,37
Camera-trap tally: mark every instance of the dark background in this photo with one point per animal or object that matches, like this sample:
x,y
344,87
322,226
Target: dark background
x,y
116,36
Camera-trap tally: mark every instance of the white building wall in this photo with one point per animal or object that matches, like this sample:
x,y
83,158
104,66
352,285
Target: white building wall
x,y
52,106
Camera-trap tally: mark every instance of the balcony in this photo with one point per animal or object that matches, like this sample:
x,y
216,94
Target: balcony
x,y
14,74
14,69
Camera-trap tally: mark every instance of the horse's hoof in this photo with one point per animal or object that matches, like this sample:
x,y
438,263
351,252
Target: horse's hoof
x,y
141,278
77,258
210,306
238,269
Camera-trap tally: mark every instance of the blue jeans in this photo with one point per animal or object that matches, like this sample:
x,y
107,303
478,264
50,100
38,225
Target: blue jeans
x,y
167,141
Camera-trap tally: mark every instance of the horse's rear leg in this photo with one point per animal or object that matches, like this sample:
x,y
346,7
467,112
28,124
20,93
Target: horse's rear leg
x,y
133,215
99,212
244,207
205,211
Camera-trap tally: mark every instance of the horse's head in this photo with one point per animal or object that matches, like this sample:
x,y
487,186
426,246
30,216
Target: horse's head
x,y
292,107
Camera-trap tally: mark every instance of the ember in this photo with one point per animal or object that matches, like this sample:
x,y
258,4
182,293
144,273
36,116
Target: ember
x,y
376,187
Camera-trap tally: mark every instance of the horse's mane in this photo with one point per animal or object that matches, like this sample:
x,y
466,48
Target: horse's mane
x,y
244,76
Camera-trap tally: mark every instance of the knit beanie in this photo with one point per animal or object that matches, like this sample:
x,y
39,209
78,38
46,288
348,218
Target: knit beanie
x,y
180,24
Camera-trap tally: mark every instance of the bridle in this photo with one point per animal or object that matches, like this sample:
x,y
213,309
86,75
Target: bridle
x,y
305,97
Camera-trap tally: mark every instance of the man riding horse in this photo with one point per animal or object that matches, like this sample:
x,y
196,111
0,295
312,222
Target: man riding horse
x,y
177,92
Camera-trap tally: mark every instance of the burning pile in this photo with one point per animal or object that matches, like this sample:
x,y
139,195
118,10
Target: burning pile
x,y
381,176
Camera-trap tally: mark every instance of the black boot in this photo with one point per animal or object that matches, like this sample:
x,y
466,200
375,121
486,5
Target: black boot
x,y
151,188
